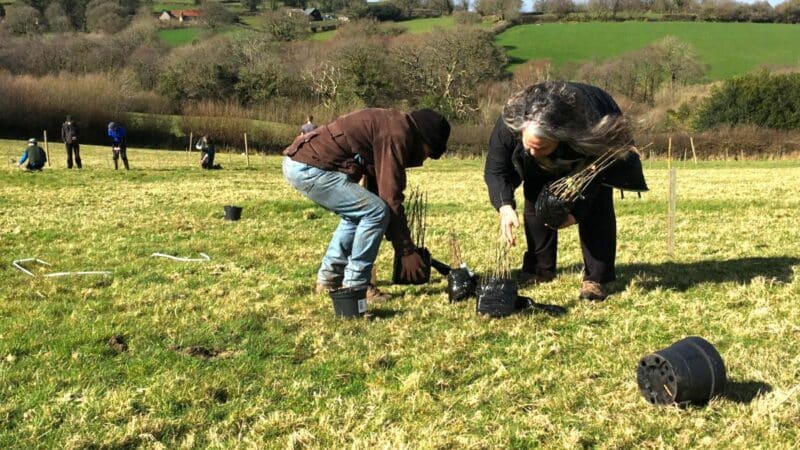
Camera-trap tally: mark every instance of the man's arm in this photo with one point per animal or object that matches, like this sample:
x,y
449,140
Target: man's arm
x,y
390,174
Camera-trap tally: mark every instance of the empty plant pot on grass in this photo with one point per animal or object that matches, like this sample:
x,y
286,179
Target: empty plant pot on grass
x,y
233,212
350,301
688,371
497,297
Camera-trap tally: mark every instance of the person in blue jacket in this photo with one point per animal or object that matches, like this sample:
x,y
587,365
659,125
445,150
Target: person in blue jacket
x,y
33,155
119,144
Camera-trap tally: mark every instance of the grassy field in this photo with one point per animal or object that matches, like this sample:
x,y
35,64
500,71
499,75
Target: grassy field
x,y
237,352
415,26
177,37
728,49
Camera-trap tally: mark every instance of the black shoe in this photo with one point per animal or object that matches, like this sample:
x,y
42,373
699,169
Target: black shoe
x,y
527,278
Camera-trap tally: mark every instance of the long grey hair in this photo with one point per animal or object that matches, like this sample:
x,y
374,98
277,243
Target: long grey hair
x,y
555,110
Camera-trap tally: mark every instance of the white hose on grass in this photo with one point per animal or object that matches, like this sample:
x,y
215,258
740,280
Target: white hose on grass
x,y
178,258
17,262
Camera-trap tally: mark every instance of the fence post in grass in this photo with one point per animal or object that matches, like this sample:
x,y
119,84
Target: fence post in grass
x,y
246,152
669,154
191,139
671,213
694,155
46,148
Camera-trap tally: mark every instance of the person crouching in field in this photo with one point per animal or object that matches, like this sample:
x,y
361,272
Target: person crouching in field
x,y
33,155
326,164
119,144
207,152
546,132
69,134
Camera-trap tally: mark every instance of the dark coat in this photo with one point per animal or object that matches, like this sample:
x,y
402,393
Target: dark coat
x,y
508,164
69,132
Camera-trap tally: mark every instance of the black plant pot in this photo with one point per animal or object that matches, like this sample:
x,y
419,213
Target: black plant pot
x,y
497,297
551,209
688,371
398,266
233,212
461,284
349,301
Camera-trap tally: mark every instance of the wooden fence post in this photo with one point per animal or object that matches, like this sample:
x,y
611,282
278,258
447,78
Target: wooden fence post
x,y
694,155
46,148
246,152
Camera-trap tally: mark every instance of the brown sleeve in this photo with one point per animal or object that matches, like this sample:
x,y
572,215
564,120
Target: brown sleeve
x,y
390,174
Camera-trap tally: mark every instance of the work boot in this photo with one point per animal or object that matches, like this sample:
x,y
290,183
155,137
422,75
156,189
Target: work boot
x,y
527,278
323,288
593,291
375,295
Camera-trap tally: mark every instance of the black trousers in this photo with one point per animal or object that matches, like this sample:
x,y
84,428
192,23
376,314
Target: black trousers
x,y
598,236
76,149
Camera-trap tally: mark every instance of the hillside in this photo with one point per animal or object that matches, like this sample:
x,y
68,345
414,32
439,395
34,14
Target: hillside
x,y
728,49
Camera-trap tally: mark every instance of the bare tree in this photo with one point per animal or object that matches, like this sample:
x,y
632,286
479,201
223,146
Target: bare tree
x,y
22,19
57,19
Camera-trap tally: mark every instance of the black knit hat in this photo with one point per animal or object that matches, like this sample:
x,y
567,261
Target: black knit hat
x,y
434,128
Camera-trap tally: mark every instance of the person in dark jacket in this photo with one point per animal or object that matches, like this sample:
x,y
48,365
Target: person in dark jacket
x,y
207,152
119,144
546,132
69,134
33,155
326,165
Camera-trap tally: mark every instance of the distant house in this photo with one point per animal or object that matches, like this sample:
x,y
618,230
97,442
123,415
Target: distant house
x,y
313,14
180,15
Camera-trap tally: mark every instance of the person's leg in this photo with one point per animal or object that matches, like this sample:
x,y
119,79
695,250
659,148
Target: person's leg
x,y
540,258
124,155
598,235
115,157
364,220
69,155
331,271
77,149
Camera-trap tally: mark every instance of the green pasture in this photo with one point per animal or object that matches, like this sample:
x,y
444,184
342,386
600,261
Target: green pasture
x,y
729,49
414,26
238,352
173,4
176,37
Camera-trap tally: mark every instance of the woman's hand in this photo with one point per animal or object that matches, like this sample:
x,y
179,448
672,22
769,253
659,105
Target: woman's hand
x,y
508,221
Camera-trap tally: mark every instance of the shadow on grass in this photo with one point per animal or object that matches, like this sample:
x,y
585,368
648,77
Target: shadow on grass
x,y
745,391
682,276
383,313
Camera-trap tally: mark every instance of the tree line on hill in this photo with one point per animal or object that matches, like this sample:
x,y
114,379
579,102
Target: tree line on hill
x,y
702,10
279,77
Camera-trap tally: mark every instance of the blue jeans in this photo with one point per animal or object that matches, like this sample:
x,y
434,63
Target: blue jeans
x,y
365,217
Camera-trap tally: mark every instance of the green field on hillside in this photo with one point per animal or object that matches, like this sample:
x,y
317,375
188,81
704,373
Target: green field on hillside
x,y
414,26
728,49
237,352
176,37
